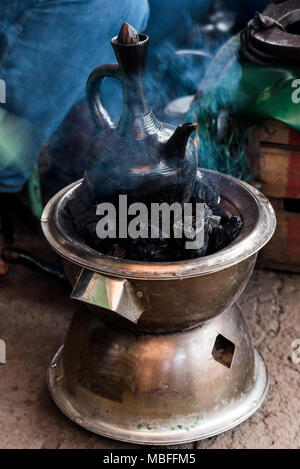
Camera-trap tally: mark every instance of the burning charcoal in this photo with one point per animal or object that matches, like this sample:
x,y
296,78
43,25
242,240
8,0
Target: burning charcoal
x,y
220,228
213,221
224,234
233,226
116,251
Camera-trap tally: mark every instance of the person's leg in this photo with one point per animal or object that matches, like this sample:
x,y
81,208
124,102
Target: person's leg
x,y
11,11
46,55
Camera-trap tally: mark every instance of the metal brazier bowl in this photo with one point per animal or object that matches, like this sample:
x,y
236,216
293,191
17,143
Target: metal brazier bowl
x,y
162,297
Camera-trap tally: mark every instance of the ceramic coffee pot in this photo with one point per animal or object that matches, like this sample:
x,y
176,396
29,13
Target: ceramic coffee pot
x,y
141,157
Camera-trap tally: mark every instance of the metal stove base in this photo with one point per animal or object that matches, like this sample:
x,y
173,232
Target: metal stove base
x,y
223,419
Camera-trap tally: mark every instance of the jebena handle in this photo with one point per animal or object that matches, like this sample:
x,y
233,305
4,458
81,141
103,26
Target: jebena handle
x,y
93,93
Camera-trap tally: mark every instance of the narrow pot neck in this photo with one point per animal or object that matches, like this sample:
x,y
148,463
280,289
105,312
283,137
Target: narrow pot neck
x,y
132,61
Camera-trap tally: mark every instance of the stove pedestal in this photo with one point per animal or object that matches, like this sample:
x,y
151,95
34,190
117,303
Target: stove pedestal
x,y
158,389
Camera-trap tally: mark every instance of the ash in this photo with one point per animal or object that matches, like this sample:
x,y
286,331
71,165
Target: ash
x,y
220,228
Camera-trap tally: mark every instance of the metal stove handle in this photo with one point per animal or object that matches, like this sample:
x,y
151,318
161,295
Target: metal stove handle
x,y
115,294
93,94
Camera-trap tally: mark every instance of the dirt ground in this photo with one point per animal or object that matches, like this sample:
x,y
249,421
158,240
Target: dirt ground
x,y
34,316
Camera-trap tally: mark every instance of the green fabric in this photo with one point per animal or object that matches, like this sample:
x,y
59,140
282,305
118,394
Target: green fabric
x,y
34,193
249,93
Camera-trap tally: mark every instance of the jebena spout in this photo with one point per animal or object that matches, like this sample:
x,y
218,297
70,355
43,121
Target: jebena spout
x,y
176,145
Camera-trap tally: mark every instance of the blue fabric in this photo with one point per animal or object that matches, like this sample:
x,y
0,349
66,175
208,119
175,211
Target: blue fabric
x,y
47,50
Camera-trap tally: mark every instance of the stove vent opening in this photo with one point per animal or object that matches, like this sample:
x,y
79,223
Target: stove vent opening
x,y
223,351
